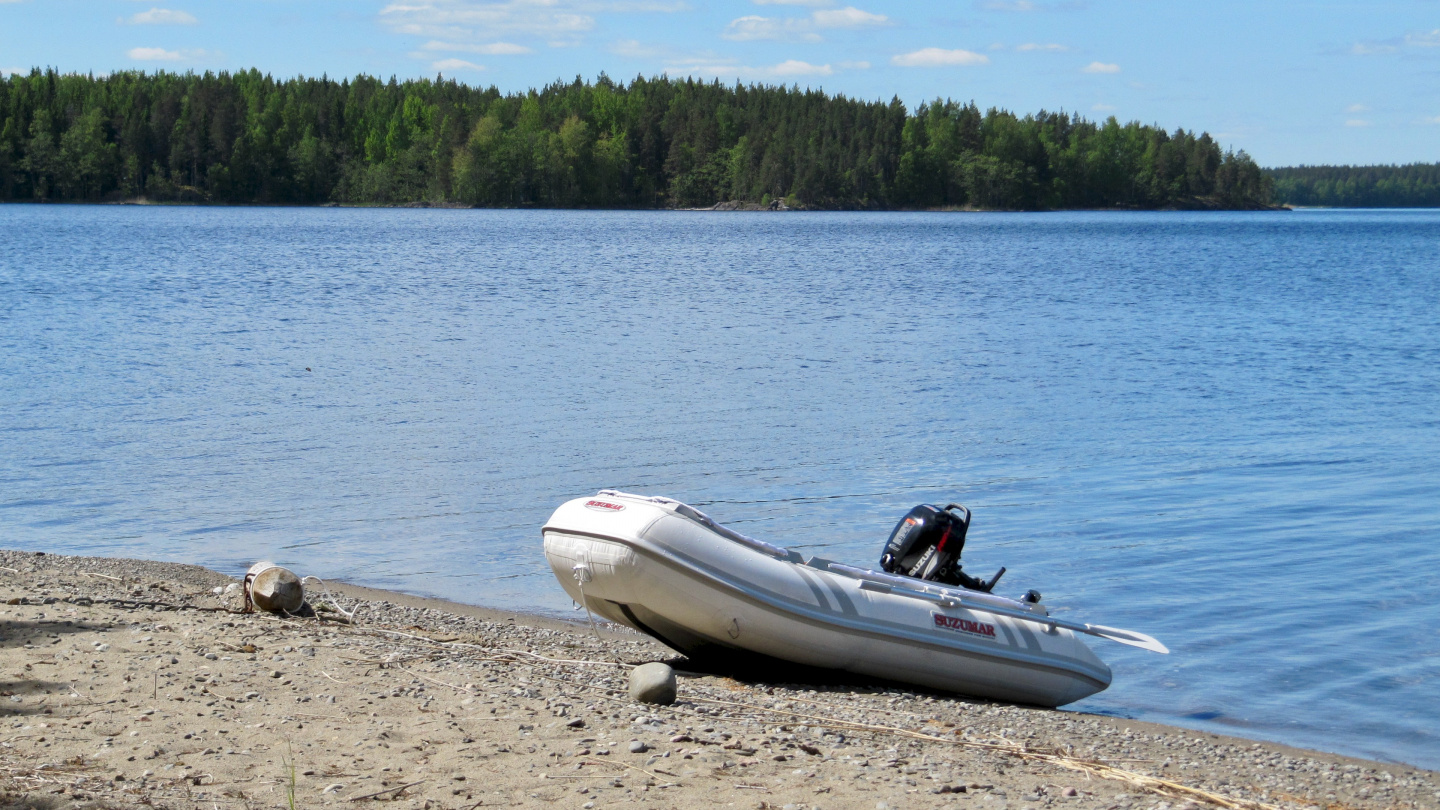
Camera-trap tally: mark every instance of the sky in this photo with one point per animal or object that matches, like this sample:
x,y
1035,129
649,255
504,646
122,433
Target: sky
x,y
1289,82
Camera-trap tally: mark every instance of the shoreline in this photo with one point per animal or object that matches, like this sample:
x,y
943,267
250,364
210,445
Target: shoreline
x,y
732,206
132,680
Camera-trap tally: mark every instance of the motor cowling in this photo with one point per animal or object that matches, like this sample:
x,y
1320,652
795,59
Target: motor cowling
x,y
926,544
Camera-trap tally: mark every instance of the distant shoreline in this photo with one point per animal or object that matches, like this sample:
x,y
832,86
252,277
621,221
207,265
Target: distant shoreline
x,y
724,207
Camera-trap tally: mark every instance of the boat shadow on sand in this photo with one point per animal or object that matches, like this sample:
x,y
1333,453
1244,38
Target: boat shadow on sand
x,y
760,671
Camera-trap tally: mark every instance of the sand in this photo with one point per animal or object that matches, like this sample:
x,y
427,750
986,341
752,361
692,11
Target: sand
x,y
129,682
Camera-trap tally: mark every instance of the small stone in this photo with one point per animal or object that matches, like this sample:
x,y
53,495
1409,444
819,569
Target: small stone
x,y
217,590
652,683
1069,791
119,777
637,747
576,723
102,647
681,738
588,806
332,788
211,656
275,673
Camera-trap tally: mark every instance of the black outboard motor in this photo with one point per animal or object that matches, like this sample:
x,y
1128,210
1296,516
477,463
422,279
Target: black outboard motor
x,y
926,544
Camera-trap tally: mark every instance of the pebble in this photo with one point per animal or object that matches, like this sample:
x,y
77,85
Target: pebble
x,y
638,747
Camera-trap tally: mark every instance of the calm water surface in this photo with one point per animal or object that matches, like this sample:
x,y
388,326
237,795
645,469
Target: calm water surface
x,y
1220,429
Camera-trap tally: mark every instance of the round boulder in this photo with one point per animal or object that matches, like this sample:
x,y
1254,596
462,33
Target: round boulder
x,y
652,683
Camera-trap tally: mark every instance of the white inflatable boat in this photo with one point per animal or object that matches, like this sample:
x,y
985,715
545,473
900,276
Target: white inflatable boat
x,y
670,571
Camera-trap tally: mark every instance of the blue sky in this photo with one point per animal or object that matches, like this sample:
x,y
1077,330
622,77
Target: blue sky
x,y
1291,82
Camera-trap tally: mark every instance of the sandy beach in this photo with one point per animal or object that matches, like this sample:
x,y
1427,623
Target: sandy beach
x,y
132,682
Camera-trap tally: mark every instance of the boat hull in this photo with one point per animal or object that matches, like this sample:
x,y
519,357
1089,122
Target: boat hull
x,y
653,565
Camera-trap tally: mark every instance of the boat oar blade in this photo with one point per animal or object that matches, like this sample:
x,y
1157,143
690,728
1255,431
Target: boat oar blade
x,y
1129,637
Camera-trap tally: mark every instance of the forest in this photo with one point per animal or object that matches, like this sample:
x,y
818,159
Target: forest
x,y
248,138
1416,185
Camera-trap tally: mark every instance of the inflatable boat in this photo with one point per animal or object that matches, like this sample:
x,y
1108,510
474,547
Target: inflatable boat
x,y
668,570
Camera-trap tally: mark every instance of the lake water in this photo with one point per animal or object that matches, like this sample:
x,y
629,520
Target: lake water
x,y
1219,429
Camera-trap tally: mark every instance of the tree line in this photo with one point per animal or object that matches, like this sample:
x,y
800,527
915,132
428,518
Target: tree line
x,y
1416,185
247,137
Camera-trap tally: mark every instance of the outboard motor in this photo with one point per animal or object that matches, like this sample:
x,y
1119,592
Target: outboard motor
x,y
926,544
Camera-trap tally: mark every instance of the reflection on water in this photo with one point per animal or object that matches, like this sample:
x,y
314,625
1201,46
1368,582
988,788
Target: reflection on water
x,y
1219,429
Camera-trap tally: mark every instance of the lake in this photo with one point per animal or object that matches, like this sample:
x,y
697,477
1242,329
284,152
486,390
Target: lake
x,y
1221,429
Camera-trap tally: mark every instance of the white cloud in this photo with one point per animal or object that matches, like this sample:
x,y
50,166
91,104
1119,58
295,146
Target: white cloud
x,y
489,48
854,65
794,67
1434,119
753,27
154,55
163,16
791,2
470,19
1101,67
1357,108
453,65
635,49
1103,108
13,71
1427,39
1415,39
1050,47
481,20
848,17
789,69
1371,48
1024,6
1357,122
939,57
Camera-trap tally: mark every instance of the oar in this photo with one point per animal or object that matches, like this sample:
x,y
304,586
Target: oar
x,y
889,583
1129,637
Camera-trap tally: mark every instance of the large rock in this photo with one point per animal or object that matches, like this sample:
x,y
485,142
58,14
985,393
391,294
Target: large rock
x,y
275,589
652,683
